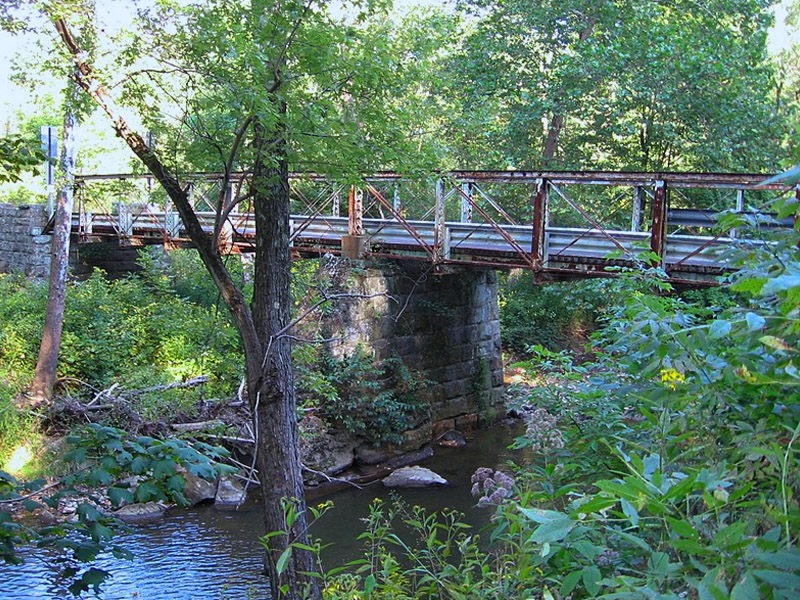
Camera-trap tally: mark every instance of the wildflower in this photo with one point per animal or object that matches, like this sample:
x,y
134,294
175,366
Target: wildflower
x,y
543,432
671,378
491,487
606,558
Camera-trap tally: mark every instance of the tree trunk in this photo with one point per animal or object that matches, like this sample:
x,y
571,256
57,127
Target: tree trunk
x,y
267,354
551,143
44,377
271,389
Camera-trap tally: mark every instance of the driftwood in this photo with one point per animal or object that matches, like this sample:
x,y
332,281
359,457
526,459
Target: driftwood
x,y
197,426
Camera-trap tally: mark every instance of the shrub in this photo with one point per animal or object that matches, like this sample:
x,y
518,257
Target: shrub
x,y
555,315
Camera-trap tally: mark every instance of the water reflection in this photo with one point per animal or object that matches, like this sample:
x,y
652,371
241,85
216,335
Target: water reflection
x,y
214,554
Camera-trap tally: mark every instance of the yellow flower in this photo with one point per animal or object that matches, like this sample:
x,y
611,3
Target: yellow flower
x,y
671,378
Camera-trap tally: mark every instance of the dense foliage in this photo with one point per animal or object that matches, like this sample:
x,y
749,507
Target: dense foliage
x,y
667,470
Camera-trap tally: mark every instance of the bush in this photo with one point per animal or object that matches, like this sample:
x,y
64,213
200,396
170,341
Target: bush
x,y
374,401
555,315
134,331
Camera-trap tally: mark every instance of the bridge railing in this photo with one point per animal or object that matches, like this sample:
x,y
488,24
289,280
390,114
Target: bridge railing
x,y
553,222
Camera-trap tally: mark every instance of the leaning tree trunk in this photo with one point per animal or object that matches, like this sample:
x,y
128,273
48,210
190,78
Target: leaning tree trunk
x,y
271,388
267,354
44,377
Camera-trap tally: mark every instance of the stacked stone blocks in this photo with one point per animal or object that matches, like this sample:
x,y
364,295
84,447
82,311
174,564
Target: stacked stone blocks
x,y
23,247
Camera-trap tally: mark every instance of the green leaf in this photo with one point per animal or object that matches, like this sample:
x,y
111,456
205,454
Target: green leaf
x,y
780,579
569,582
280,566
683,528
91,578
139,465
785,559
591,577
630,511
120,496
719,329
755,322
745,589
552,531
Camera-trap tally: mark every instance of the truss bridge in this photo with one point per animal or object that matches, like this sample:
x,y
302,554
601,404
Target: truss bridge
x,y
558,224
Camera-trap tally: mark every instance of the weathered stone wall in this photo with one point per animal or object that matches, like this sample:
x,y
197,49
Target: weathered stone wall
x,y
116,257
446,327
23,248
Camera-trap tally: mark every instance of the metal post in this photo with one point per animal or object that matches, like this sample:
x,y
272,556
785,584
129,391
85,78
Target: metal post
x,y
739,209
49,138
541,215
355,212
658,231
353,244
638,208
125,220
466,205
439,231
335,201
397,203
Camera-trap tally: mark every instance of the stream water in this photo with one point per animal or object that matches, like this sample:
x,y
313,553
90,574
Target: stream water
x,y
208,553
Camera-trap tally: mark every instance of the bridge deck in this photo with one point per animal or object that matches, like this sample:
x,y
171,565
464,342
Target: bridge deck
x,y
484,232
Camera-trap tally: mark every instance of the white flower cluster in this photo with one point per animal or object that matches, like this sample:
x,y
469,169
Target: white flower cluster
x,y
543,432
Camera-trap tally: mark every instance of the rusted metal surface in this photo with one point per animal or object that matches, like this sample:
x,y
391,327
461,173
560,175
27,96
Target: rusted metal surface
x,y
658,228
478,239
540,201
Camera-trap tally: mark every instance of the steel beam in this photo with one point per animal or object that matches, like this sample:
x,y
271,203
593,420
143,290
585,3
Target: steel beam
x,y
541,210
658,229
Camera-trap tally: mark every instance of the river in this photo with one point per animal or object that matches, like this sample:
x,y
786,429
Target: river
x,y
208,553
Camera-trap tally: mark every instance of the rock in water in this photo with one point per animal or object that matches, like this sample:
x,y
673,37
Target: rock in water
x,y
197,489
229,492
414,477
452,439
140,512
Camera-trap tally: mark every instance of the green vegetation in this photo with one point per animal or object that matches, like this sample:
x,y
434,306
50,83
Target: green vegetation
x,y
556,315
668,469
374,401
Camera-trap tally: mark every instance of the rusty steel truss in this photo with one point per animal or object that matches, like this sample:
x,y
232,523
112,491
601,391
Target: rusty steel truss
x,y
559,224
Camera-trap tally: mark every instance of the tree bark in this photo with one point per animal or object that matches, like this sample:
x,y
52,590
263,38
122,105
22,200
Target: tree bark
x,y
271,389
267,355
551,143
44,377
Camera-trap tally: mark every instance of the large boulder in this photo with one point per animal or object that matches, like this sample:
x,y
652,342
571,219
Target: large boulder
x,y
140,512
414,477
197,489
230,492
324,449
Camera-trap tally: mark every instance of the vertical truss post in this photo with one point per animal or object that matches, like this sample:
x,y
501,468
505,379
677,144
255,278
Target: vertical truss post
x,y
335,201
125,220
355,211
638,208
739,209
84,216
397,203
191,196
541,213
440,242
466,205
658,231
353,244
49,139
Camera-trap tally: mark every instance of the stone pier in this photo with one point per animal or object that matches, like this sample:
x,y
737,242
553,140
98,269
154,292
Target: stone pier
x,y
446,327
23,248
